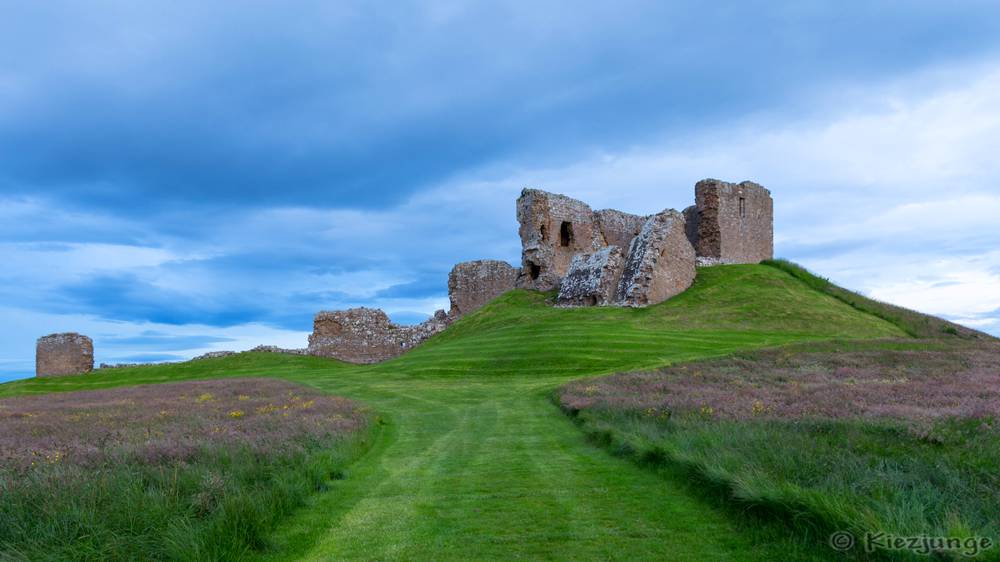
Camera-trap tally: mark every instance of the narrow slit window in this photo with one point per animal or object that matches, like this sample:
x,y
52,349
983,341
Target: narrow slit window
x,y
743,207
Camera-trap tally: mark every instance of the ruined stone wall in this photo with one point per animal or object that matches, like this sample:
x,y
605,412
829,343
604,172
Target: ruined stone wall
x,y
366,335
735,222
553,228
473,284
592,278
660,262
63,354
618,228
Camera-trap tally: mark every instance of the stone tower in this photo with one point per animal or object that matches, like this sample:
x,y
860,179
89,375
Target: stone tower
x,y
731,222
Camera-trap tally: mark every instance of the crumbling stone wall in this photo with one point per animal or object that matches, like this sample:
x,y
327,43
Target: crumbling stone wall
x,y
553,229
63,354
660,262
366,335
473,284
618,228
592,279
735,222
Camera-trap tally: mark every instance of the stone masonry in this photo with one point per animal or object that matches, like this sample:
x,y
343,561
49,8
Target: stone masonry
x,y
63,354
592,279
473,284
366,335
660,264
735,222
553,229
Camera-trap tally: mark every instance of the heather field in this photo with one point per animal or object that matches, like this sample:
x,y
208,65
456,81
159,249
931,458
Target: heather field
x,y
899,436
184,470
470,459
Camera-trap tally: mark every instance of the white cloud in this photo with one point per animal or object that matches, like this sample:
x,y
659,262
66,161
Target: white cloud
x,y
870,190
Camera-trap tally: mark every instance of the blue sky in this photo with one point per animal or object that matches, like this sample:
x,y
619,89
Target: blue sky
x,y
180,177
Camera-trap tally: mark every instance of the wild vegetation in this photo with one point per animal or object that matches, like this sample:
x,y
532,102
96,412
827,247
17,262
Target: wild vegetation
x,y
191,470
897,436
473,461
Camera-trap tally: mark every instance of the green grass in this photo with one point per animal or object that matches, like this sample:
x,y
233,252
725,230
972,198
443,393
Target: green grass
x,y
476,463
220,505
825,476
913,323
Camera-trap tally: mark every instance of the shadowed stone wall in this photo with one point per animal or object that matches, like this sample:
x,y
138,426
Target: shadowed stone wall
x,y
473,284
63,354
735,222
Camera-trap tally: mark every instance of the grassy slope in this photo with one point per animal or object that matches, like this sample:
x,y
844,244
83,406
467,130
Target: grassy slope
x,y
474,461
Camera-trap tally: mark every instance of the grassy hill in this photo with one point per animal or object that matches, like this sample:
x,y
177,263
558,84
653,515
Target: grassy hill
x,y
520,335
474,462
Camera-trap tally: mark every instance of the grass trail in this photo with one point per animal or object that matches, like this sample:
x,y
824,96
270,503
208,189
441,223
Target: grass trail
x,y
475,462
493,471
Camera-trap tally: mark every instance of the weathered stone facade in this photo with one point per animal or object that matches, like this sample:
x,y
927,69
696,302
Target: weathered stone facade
x,y
63,354
618,228
366,335
553,229
660,264
735,222
473,284
592,278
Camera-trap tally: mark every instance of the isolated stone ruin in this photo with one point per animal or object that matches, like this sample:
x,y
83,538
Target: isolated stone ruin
x,y
473,284
366,335
590,258
63,354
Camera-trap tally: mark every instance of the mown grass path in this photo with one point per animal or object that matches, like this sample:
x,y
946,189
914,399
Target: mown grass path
x,y
475,462
495,471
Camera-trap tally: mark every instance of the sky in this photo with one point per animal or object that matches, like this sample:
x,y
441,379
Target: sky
x,y
181,177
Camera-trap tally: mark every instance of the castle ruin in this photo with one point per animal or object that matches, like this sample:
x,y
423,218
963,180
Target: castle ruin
x,y
591,258
588,258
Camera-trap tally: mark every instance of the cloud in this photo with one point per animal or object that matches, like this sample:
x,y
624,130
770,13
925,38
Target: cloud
x,y
257,106
153,340
209,172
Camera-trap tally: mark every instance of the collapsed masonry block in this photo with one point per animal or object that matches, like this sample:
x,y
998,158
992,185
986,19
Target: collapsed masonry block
x,y
473,284
735,222
660,262
366,335
553,228
63,354
592,279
